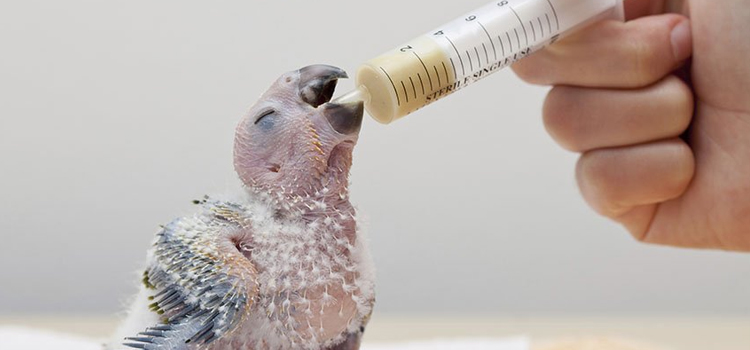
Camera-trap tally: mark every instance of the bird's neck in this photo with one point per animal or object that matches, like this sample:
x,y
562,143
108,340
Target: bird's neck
x,y
324,203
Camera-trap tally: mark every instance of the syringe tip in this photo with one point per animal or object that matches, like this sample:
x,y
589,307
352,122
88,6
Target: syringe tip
x,y
358,94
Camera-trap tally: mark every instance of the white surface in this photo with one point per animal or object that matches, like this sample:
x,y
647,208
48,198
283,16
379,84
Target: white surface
x,y
30,339
519,343
115,114
678,333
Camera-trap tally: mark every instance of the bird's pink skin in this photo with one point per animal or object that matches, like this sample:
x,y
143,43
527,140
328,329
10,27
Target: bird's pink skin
x,y
295,149
301,156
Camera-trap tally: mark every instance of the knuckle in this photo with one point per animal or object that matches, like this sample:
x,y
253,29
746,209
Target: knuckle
x,y
559,116
682,169
683,103
670,101
595,178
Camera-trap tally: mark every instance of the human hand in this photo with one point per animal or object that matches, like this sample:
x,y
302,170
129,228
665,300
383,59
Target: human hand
x,y
668,158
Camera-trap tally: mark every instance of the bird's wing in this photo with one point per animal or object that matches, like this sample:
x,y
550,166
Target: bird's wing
x,y
203,285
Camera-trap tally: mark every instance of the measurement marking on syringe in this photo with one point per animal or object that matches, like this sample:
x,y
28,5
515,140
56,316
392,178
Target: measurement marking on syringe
x,y
446,71
488,37
554,12
478,59
486,55
455,72
405,93
526,35
414,88
398,100
425,70
421,83
501,44
549,24
463,69
471,64
510,42
533,30
540,25
440,83
518,38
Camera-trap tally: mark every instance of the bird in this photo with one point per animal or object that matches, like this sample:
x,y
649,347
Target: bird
x,y
282,265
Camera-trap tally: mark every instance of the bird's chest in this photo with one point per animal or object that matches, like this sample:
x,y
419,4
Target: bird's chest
x,y
311,290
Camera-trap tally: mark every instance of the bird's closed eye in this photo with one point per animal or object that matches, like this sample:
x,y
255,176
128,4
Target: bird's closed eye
x,y
266,120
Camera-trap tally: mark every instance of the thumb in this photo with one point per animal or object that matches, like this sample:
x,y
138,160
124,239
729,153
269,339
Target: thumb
x,y
613,54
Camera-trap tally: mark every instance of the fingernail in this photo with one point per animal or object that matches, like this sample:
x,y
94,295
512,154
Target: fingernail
x,y
682,40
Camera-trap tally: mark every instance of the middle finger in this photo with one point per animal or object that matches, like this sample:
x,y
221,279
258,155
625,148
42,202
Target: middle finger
x,y
582,119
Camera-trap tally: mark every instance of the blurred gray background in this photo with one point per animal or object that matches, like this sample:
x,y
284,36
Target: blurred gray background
x,y
115,115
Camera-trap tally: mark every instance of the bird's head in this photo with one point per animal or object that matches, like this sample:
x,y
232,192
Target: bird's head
x,y
294,142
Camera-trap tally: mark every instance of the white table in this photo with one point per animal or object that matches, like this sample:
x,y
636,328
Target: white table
x,y
683,333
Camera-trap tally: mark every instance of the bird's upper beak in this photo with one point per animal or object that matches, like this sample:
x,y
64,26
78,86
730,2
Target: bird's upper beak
x,y
316,87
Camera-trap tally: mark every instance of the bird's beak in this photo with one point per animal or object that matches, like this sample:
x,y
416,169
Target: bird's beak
x,y
317,83
316,87
346,118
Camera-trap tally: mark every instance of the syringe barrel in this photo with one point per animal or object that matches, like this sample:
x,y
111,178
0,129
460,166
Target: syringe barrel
x,y
470,48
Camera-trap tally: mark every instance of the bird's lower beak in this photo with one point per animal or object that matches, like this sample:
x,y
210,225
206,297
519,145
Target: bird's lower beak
x,y
345,118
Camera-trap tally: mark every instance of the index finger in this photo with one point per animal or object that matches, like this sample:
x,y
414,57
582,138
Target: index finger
x,y
613,54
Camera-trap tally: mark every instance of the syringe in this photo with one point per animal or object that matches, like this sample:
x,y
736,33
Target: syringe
x,y
467,49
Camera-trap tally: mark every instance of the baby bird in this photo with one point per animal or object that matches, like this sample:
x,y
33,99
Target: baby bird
x,y
284,266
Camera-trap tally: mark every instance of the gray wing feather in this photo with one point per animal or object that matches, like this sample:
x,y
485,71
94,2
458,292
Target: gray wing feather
x,y
202,288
